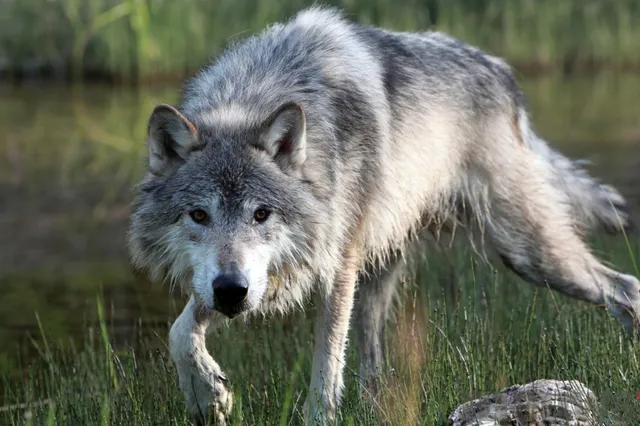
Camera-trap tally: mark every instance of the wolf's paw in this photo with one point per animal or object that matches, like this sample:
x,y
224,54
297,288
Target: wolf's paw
x,y
372,383
315,414
626,306
209,401
370,387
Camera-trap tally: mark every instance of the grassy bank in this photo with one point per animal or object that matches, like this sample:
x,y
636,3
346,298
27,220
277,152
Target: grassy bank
x,y
461,329
144,39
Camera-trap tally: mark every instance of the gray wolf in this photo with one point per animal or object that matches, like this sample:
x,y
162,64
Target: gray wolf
x,y
307,159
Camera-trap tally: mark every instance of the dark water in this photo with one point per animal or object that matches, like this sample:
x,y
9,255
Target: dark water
x,y
68,157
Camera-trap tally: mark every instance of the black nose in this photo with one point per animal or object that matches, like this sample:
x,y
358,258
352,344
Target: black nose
x,y
229,290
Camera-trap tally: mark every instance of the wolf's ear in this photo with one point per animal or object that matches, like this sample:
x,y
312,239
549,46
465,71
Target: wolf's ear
x,y
171,138
283,136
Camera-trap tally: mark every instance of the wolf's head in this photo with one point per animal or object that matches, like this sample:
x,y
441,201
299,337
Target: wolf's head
x,y
223,210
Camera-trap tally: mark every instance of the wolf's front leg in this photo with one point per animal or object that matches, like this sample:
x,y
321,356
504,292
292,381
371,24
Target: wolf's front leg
x,y
331,329
200,377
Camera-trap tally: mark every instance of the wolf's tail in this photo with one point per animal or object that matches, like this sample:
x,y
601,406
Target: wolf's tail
x,y
595,205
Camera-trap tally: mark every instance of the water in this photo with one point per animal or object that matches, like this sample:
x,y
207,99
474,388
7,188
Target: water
x,y
70,155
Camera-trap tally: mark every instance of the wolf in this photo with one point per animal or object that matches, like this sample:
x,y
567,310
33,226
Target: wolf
x,y
307,159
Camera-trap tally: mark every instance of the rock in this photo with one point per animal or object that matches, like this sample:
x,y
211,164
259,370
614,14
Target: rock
x,y
543,402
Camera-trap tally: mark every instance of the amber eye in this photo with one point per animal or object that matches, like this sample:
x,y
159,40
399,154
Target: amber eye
x,y
261,215
199,216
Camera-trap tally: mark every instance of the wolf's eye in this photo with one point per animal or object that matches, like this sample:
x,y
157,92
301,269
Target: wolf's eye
x,y
261,215
199,216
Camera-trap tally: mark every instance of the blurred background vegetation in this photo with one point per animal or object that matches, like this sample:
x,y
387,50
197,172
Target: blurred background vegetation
x,y
147,39
70,153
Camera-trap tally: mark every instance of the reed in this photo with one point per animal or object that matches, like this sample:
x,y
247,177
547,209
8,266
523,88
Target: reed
x,y
139,40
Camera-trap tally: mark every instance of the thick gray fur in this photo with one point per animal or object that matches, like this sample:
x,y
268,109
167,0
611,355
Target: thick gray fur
x,y
361,142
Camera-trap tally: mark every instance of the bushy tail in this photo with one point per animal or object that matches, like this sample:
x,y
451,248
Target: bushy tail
x,y
595,205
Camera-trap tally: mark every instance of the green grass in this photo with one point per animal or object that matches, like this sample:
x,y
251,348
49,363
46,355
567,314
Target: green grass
x,y
142,39
461,329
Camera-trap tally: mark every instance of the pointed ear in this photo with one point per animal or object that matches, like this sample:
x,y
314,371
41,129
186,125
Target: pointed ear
x,y
283,136
171,138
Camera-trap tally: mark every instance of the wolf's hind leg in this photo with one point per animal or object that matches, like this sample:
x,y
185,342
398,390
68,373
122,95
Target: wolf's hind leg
x,y
373,303
531,228
200,377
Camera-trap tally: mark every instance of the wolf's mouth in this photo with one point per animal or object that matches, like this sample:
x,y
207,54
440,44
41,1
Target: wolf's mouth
x,y
231,311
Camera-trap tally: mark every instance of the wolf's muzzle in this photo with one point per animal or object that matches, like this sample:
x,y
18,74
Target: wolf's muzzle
x,y
230,291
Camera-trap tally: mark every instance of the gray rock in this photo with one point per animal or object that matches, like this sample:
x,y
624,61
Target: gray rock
x,y
543,402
